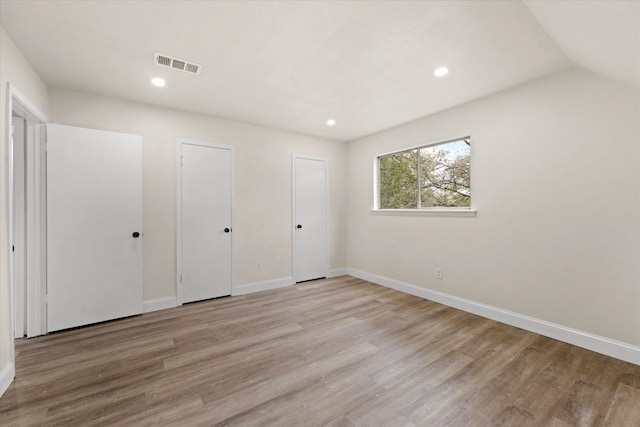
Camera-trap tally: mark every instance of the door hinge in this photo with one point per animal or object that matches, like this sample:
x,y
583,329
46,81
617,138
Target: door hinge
x,y
45,299
181,278
180,160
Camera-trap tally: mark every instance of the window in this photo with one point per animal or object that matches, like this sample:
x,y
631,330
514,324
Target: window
x,y
432,176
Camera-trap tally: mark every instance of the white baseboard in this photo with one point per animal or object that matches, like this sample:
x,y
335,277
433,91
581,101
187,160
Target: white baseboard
x,y
609,347
159,304
337,272
262,286
6,377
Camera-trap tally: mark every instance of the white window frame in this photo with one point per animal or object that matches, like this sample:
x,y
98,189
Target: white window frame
x,y
419,211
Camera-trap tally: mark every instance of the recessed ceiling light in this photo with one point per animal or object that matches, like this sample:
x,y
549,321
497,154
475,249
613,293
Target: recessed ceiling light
x,y
331,122
157,81
442,71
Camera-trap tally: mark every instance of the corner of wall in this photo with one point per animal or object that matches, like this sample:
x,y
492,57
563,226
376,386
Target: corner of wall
x,y
6,377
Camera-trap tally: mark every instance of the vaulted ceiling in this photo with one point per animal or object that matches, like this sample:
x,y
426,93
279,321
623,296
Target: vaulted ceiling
x,y
294,64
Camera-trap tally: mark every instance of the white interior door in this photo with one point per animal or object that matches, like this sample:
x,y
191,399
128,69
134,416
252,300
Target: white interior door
x,y
310,218
205,220
94,210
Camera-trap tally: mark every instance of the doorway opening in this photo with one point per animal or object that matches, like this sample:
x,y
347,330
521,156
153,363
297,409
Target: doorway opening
x,y
26,177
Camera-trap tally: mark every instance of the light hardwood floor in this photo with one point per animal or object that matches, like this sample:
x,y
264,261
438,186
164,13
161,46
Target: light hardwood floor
x,y
339,352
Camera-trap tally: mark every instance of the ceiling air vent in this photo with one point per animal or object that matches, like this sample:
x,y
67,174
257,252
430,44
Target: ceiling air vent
x,y
176,63
192,68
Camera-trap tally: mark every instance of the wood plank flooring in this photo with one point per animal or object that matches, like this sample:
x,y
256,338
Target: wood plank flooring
x,y
340,352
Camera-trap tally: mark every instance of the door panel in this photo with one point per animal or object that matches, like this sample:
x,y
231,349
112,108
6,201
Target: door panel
x,y
310,218
206,191
19,225
94,205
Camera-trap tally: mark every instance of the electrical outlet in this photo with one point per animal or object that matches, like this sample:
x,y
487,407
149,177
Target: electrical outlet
x,y
258,265
439,273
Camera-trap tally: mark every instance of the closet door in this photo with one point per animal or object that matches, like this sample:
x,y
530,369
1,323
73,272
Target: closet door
x,y
205,220
310,218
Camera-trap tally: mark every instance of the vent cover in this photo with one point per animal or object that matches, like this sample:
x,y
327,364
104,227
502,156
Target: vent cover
x,y
176,63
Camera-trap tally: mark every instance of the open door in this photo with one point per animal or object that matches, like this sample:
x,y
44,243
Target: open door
x,y
94,226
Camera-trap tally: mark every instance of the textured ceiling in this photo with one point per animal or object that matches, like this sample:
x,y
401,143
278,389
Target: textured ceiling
x,y
292,65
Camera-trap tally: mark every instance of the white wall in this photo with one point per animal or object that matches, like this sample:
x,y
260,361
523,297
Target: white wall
x,y
14,69
263,227
556,181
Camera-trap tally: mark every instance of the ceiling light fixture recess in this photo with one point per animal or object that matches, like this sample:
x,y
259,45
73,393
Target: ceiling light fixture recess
x,y
331,122
157,81
440,72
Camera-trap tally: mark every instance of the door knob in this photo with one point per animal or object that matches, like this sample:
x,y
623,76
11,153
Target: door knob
x,y
299,226
135,234
227,229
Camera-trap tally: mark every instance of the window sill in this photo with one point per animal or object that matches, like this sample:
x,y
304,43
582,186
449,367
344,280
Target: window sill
x,y
466,213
